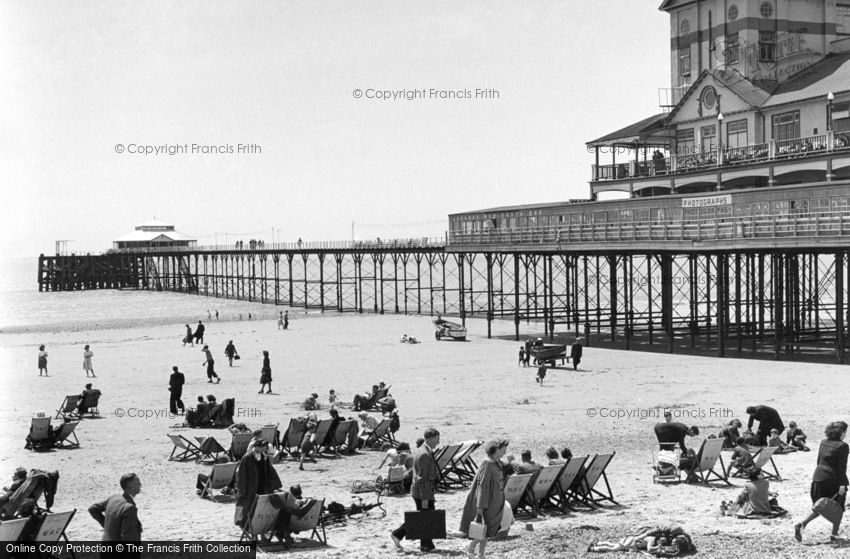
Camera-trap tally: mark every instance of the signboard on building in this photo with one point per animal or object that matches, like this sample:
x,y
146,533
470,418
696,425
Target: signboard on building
x,y
707,201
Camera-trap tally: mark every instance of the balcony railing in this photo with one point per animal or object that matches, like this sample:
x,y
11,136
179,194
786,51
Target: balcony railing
x,y
377,244
821,224
774,150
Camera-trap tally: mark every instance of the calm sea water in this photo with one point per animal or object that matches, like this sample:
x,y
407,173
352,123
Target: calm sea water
x,y
24,309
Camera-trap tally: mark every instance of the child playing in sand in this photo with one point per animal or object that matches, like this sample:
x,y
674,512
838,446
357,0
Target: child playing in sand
x,y
796,437
541,374
741,457
332,397
521,356
774,440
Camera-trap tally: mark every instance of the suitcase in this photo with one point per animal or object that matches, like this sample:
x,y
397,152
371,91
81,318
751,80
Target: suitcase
x,y
425,524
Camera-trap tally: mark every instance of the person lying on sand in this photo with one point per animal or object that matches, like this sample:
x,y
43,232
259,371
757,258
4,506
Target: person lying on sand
x,y
662,541
781,447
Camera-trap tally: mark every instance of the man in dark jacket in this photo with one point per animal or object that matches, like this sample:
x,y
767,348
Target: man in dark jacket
x,y
199,332
175,386
575,352
671,433
768,419
254,476
424,485
118,514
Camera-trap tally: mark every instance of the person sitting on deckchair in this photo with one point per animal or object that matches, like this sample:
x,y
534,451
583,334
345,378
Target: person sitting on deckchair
x,y
312,403
796,437
528,466
367,398
254,476
308,443
730,433
86,391
288,503
386,404
671,433
17,480
781,447
742,458
754,498
368,424
395,421
554,457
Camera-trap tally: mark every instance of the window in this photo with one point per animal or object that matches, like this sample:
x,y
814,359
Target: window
x,y
786,126
841,117
766,9
732,45
736,133
766,46
733,12
685,141
708,138
685,62
684,27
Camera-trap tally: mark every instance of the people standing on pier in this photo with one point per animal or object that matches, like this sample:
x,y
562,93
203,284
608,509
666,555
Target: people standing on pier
x,y
175,387
210,363
575,352
230,352
42,361
286,320
199,332
189,338
87,355
266,374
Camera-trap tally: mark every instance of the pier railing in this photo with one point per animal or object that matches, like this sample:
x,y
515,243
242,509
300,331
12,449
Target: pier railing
x,y
376,244
821,224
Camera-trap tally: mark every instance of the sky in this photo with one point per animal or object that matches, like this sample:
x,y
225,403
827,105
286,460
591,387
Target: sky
x,y
89,88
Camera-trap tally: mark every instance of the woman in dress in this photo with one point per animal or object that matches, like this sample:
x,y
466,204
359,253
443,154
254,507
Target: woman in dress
x,y
830,478
266,374
87,355
42,361
486,499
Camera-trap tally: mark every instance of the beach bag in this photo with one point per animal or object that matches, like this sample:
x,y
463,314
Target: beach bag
x,y
477,531
828,508
236,357
425,524
507,518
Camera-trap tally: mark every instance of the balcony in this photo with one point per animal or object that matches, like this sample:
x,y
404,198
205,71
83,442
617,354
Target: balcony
x,y
725,157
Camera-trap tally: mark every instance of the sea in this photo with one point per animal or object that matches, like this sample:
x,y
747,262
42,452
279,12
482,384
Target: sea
x,y
24,309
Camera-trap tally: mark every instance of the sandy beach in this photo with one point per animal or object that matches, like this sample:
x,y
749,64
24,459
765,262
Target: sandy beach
x,y
471,390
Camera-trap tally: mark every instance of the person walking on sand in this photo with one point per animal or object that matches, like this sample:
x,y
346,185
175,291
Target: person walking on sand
x,y
424,486
189,339
199,332
829,481
42,361
286,320
87,355
280,320
230,352
575,352
175,387
210,363
266,374
209,315
216,314
118,514
486,499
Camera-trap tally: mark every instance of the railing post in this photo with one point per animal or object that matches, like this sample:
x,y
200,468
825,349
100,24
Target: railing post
x,y
830,141
771,149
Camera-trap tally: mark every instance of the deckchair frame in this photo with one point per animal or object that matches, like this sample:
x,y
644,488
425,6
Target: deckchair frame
x,y
443,461
590,481
261,520
515,487
539,489
69,407
760,460
239,445
39,433
220,477
294,434
707,467
564,490
190,450
340,436
10,530
66,437
312,520
49,530
210,455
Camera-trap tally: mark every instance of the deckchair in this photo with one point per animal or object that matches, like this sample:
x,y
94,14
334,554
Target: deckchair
x,y
537,492
341,436
37,483
10,530
311,521
53,527
291,439
322,431
268,435
381,435
515,488
188,449
760,460
443,459
394,482
665,466
66,438
220,477
89,405
68,409
463,468
260,522
707,458
40,435
593,473
208,449
372,403
239,445
566,487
